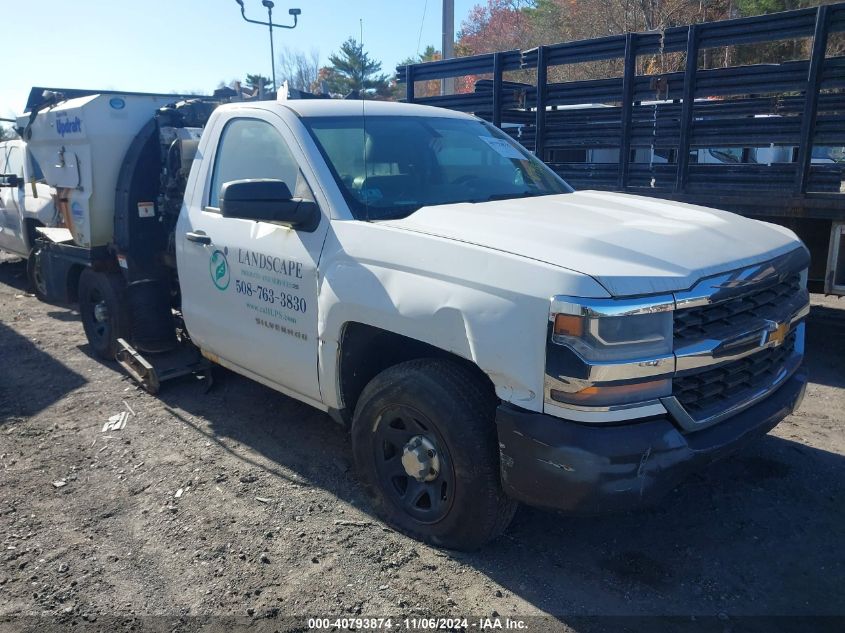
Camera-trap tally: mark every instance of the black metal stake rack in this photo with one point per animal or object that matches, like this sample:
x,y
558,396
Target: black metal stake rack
x,y
690,135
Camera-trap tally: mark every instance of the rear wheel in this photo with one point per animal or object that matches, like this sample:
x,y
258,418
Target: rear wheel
x,y
35,274
425,447
102,306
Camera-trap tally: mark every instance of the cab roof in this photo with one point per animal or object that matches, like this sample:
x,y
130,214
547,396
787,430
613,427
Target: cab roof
x,y
346,107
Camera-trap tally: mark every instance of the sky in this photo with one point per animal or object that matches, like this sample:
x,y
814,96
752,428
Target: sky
x,y
193,45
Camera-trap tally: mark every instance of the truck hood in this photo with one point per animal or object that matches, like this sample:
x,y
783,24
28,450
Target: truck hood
x,y
631,245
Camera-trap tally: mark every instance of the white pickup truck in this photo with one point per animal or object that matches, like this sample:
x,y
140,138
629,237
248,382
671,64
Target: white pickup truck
x,y
26,203
489,335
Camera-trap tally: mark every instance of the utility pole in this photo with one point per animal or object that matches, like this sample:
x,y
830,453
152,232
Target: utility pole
x,y
447,85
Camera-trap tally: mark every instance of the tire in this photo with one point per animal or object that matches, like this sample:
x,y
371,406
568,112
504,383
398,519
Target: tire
x,y
102,306
461,504
34,275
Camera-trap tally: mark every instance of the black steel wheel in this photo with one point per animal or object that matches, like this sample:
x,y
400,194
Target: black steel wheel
x,y
413,462
102,306
425,448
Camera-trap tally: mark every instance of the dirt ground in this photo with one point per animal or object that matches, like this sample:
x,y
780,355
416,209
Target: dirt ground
x,y
240,502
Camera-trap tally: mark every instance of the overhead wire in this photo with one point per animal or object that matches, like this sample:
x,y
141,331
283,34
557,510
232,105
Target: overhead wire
x,y
422,24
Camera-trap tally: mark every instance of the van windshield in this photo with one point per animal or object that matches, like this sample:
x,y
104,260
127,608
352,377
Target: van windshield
x,y
398,164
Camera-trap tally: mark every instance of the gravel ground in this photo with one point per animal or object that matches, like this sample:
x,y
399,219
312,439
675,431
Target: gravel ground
x,y
240,502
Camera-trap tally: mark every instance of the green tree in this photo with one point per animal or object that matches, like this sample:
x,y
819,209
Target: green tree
x,y
779,51
254,81
424,89
352,68
7,133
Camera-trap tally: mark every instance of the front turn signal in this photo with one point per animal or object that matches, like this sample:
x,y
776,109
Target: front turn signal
x,y
569,325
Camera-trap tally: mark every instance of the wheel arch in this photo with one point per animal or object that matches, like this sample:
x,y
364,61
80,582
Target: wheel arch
x,y
365,350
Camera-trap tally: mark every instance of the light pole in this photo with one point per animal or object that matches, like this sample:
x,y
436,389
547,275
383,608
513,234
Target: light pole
x,y
447,86
269,23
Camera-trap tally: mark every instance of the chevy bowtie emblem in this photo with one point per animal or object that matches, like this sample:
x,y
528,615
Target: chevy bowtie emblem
x,y
775,333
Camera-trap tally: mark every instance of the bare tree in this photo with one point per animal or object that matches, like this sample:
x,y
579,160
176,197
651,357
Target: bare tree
x,y
299,69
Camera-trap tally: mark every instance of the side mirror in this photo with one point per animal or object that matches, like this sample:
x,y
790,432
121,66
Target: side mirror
x,y
11,180
267,200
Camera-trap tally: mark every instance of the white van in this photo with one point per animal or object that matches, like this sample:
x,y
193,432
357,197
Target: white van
x,y
26,202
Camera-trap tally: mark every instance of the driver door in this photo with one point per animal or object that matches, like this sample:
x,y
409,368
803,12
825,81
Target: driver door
x,y
249,288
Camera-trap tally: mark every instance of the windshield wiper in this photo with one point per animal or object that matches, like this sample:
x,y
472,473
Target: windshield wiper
x,y
510,196
393,214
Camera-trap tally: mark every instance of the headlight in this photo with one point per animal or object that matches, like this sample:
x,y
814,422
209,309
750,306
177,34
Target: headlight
x,y
608,330
609,352
608,338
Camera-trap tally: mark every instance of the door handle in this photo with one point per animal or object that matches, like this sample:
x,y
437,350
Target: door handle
x,y
198,237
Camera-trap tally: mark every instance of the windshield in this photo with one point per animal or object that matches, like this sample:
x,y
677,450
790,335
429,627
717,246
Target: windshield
x,y
401,163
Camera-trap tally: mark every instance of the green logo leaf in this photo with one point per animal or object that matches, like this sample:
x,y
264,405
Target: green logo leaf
x,y
219,270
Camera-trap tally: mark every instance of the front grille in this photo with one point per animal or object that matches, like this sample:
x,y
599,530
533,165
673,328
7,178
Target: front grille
x,y
707,392
735,315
